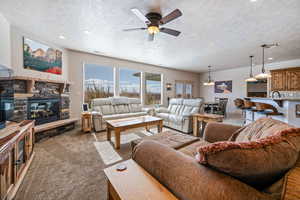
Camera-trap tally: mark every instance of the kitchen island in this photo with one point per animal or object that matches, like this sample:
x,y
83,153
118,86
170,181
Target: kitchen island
x,y
288,106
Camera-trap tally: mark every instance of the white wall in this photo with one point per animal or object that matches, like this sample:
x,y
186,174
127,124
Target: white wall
x,y
5,56
17,56
238,76
77,60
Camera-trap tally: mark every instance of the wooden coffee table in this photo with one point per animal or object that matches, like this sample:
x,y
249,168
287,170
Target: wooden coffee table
x,y
204,118
119,125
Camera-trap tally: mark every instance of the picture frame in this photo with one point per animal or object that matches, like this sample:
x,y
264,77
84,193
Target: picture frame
x,y
224,87
41,57
85,107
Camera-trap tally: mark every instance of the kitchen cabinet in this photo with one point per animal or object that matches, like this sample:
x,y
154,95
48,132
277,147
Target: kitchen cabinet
x,y
278,80
285,79
293,80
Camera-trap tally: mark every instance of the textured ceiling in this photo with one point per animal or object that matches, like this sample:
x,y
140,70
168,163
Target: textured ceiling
x,y
221,33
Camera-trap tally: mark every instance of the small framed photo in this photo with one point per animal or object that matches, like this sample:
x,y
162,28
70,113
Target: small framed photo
x,y
298,110
85,107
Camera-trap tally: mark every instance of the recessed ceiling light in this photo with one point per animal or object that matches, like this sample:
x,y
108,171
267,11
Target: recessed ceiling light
x,y
270,58
62,37
253,0
87,32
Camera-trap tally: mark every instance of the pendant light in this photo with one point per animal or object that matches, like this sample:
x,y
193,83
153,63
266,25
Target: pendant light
x,y
263,74
251,78
209,82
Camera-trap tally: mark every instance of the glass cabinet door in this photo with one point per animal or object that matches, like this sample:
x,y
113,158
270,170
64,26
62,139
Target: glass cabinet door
x,y
20,155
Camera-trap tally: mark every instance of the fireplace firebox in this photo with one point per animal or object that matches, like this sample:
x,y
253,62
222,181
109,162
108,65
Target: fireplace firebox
x,y
43,110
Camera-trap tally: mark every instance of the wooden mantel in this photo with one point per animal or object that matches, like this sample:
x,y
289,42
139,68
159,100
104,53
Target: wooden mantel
x,y
31,82
27,78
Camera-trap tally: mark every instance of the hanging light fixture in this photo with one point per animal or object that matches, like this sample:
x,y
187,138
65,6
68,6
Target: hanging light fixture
x,y
251,78
209,82
263,74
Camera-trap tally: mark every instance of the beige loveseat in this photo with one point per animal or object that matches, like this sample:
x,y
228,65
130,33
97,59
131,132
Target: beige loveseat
x,y
179,113
115,108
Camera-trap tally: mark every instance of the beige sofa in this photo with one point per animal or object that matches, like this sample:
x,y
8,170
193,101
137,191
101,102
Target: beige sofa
x,y
179,113
116,108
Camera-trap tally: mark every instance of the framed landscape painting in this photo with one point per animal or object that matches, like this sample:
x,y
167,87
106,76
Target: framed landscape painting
x,y
40,57
223,87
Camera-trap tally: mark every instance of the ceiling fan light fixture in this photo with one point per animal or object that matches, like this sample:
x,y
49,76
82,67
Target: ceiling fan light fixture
x,y
153,29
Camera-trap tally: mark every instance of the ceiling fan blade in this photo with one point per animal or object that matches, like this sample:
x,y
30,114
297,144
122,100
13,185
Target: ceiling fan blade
x,y
134,29
140,15
170,31
173,15
150,37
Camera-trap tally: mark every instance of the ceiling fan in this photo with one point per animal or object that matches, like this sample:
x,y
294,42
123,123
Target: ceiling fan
x,y
153,20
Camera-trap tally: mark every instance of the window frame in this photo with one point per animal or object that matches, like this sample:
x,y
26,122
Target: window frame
x,y
119,80
116,81
161,88
185,83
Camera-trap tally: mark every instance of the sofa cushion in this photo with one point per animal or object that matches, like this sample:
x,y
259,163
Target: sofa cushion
x,y
261,128
107,109
258,163
176,119
103,105
173,108
171,139
192,149
164,116
123,115
135,105
118,100
121,108
175,105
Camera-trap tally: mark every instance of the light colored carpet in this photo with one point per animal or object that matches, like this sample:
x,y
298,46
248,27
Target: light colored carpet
x,y
70,166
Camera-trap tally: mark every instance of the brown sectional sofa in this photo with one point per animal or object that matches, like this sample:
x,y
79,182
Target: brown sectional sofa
x,y
179,170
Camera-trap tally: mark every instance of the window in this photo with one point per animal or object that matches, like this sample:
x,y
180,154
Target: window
x,y
130,83
189,90
184,89
153,88
99,82
179,90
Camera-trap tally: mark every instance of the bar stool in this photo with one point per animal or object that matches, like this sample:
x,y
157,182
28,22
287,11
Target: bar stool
x,y
239,104
267,109
250,106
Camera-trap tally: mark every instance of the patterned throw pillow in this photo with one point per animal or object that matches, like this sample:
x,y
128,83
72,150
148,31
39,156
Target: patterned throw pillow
x,y
258,163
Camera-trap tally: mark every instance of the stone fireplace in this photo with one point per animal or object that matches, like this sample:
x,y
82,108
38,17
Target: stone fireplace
x,y
43,110
37,99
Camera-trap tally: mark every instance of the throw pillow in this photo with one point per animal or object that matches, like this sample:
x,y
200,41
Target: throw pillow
x,y
258,163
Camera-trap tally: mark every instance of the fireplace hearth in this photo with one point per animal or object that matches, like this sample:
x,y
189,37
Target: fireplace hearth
x,y
43,110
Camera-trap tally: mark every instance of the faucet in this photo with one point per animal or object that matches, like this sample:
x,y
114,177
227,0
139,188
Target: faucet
x,y
277,92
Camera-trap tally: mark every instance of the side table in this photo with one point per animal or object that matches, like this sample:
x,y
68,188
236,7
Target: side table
x,y
204,118
86,122
134,183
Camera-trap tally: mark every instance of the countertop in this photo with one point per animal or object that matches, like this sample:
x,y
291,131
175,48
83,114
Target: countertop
x,y
277,99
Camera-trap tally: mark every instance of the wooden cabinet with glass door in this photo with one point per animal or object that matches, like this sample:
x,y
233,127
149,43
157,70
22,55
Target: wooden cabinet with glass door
x,y
16,154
